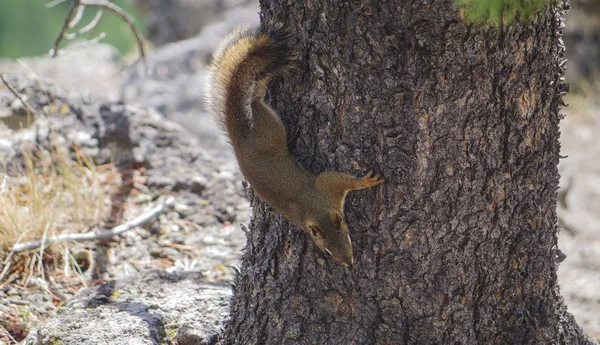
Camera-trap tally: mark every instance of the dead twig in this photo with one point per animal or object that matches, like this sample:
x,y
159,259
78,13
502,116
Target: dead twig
x,y
61,34
17,94
92,24
7,333
54,3
78,16
103,4
41,261
73,35
139,220
3,185
6,263
87,43
181,246
245,229
78,7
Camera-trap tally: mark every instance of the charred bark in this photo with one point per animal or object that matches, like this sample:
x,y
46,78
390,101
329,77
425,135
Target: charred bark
x,y
458,246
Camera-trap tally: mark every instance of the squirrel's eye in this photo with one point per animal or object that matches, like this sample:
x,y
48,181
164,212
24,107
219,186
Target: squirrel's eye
x,y
314,231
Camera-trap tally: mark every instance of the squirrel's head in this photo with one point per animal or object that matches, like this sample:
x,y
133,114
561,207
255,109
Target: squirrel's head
x,y
330,233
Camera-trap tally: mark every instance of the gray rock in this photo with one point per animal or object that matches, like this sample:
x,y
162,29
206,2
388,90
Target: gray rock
x,y
174,20
146,309
60,120
175,82
132,137
198,185
196,335
184,209
94,71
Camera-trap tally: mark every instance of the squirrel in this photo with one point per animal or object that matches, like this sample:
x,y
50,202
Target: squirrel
x,y
239,73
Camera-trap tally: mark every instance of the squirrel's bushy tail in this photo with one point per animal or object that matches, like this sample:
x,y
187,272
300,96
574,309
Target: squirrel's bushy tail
x,y
240,70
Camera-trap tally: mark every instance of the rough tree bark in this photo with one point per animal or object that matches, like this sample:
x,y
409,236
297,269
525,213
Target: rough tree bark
x,y
458,246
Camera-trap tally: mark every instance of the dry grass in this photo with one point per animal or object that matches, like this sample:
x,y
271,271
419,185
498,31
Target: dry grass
x,y
53,193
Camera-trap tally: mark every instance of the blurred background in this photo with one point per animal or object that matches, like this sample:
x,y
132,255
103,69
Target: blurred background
x,y
181,35
27,28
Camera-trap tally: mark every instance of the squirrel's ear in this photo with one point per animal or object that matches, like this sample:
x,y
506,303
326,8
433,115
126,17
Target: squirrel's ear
x,y
337,219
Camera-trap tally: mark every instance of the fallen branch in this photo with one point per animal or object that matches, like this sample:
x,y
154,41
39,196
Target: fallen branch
x,y
7,333
90,236
17,94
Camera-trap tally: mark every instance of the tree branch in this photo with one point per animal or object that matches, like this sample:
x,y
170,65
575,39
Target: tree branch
x,y
103,4
92,24
79,5
54,3
78,16
61,34
86,43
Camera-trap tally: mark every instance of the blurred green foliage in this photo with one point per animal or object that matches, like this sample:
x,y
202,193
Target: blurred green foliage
x,y
27,28
500,12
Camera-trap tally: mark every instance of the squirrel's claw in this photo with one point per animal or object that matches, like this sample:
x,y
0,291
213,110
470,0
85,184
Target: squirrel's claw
x,y
370,180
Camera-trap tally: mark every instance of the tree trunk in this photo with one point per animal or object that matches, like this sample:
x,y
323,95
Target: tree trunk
x,y
458,246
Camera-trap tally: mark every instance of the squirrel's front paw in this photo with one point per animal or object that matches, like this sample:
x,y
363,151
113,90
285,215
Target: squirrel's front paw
x,y
370,180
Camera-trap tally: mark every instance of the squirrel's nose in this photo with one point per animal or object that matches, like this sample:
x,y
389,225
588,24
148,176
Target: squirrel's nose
x,y
348,261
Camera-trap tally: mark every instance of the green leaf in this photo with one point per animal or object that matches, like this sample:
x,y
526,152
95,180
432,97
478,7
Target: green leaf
x,y
500,12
